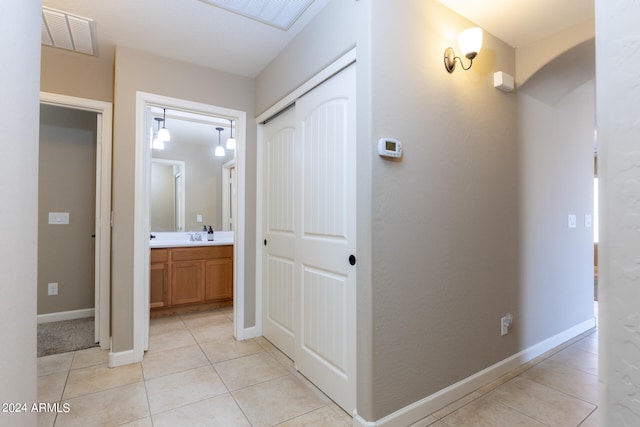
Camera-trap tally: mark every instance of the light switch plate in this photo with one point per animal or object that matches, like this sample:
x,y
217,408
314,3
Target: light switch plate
x,y
58,217
572,221
198,218
588,221
52,288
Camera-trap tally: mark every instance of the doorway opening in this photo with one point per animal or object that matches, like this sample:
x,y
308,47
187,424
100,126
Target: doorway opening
x,y
201,118
83,128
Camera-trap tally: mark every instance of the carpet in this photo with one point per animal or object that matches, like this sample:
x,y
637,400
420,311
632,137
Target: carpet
x,y
65,336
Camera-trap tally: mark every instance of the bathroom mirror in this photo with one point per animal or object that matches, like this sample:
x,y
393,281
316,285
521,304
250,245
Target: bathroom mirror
x,y
186,177
167,195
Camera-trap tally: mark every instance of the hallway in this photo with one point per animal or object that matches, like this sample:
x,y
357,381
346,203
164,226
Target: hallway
x,y
195,373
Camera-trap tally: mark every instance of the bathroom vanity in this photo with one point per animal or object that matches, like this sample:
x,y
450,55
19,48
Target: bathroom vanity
x,y
190,275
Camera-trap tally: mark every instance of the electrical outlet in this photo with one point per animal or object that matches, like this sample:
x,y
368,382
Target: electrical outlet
x,y
504,324
52,289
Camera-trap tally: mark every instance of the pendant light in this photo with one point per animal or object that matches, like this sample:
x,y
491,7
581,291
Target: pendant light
x,y
231,142
164,132
158,143
219,149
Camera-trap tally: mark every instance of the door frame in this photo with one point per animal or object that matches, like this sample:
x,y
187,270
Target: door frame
x,y
141,230
104,141
227,195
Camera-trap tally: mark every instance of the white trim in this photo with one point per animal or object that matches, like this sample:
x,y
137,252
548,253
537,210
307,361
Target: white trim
x,y
141,213
103,205
66,315
259,227
340,63
248,333
423,408
227,196
122,358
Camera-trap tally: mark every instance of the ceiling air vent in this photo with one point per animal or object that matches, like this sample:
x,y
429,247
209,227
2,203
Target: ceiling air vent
x,y
278,13
67,31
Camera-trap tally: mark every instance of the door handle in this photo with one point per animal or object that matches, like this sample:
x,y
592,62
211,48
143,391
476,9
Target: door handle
x,y
265,242
352,259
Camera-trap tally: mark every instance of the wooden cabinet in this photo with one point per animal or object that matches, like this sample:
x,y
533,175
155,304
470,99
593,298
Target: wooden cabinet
x,y
191,276
159,278
186,282
218,279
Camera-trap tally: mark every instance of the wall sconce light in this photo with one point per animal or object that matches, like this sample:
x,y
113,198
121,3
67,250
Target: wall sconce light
x,y
470,41
219,152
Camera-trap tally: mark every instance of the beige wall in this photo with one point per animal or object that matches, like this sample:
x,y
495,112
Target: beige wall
x,y
66,183
556,134
19,80
440,233
72,74
138,71
329,35
618,89
445,249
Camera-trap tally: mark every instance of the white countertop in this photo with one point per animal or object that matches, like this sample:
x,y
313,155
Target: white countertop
x,y
182,239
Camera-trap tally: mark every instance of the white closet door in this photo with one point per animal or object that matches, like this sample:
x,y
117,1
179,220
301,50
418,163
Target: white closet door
x,y
280,231
325,251
309,188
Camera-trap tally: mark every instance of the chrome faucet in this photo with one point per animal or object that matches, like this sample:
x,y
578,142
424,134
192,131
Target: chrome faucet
x,y
195,237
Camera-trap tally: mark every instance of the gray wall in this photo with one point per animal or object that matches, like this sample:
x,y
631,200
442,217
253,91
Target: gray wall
x,y
556,134
445,243
618,91
19,81
441,233
139,71
331,33
66,183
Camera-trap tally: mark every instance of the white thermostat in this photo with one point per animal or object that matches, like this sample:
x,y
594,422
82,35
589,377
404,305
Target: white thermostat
x,y
389,147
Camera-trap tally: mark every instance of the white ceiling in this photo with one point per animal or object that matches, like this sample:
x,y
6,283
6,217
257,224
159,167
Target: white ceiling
x,y
197,32
521,22
187,30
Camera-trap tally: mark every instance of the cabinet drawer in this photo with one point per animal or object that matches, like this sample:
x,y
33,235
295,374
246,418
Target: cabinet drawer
x,y
195,253
159,255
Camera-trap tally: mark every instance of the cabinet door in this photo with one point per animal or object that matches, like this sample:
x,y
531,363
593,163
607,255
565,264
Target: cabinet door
x,y
158,284
218,279
186,282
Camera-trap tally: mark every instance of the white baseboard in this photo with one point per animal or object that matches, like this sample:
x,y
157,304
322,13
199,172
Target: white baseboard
x,y
122,358
247,333
66,315
423,408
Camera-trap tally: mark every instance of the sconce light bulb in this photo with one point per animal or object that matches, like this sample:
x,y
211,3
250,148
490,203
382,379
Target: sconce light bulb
x,y
470,41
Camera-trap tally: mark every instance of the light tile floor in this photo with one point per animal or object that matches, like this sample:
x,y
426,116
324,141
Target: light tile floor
x,y
195,373
558,388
